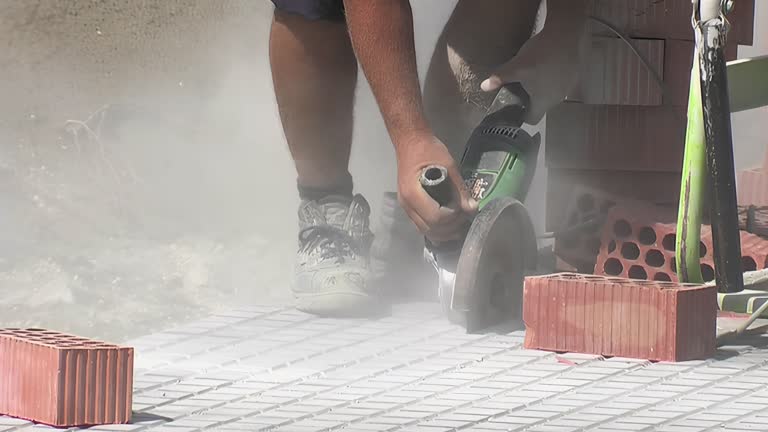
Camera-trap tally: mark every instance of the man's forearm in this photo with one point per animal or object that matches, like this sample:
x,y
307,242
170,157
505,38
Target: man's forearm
x,y
382,36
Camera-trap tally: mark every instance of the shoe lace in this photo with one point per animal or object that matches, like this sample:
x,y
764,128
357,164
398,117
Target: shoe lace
x,y
333,243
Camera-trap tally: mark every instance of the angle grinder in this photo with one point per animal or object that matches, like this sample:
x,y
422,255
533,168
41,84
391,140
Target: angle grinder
x,y
480,277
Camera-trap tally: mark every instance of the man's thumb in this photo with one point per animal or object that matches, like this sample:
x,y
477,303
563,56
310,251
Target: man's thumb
x,y
492,83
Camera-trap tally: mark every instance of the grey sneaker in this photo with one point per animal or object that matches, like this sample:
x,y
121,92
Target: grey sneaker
x,y
333,264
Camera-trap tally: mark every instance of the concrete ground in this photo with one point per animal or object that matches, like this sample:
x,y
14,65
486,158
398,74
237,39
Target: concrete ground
x,y
271,368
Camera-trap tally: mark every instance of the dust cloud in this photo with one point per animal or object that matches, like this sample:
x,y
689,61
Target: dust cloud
x,y
145,179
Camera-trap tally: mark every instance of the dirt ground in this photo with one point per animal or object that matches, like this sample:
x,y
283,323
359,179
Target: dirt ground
x,y
144,176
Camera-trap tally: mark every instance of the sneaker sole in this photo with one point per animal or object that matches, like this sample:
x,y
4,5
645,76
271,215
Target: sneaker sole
x,y
338,304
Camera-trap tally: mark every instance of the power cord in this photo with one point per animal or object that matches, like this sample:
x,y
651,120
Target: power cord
x,y
634,49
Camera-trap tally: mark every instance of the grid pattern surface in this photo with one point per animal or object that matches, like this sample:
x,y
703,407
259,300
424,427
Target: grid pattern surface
x,y
277,369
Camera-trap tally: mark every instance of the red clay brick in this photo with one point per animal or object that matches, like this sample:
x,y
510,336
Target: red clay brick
x,y
759,226
616,137
668,19
638,242
614,75
659,321
63,380
678,59
565,185
580,204
752,187
580,248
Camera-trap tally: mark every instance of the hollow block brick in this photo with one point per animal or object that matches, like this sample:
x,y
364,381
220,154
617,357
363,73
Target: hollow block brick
x,y
658,321
565,185
638,242
579,248
758,224
667,19
752,187
616,137
62,380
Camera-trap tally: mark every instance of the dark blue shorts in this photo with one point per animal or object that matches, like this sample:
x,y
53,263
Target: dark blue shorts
x,y
330,10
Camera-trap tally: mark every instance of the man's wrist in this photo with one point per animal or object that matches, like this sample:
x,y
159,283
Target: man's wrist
x,y
405,138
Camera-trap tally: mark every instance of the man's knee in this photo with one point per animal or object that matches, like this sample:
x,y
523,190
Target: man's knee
x,y
325,10
480,36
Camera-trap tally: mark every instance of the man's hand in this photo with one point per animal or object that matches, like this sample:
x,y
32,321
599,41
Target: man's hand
x,y
548,64
437,223
382,36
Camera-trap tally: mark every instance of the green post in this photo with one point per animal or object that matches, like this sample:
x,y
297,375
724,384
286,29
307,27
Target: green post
x,y
692,185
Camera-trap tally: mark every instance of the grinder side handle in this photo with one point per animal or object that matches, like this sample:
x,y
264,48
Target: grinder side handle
x,y
513,99
434,180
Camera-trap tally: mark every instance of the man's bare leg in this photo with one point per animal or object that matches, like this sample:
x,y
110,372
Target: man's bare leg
x,y
314,71
453,100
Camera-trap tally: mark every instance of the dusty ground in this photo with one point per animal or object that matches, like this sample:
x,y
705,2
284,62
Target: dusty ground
x,y
143,173
179,195
158,210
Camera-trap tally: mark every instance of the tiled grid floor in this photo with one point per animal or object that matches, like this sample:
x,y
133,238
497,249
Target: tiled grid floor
x,y
279,369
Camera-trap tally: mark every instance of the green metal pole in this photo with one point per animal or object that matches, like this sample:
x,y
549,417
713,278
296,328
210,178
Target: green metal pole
x,y
692,185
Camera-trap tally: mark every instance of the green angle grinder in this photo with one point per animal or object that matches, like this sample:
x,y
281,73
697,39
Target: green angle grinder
x,y
480,277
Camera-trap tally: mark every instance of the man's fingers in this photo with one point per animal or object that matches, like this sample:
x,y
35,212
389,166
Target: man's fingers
x,y
450,230
466,204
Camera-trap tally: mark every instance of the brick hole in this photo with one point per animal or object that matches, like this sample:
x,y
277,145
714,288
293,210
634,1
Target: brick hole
x,y
93,343
655,258
637,272
65,344
622,228
34,330
707,272
673,264
702,250
613,267
630,251
586,203
647,236
668,242
748,264
662,277
611,246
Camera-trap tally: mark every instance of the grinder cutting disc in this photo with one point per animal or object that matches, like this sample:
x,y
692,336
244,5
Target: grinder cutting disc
x,y
500,248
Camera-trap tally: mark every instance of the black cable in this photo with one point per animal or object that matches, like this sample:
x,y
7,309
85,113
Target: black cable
x,y
634,49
